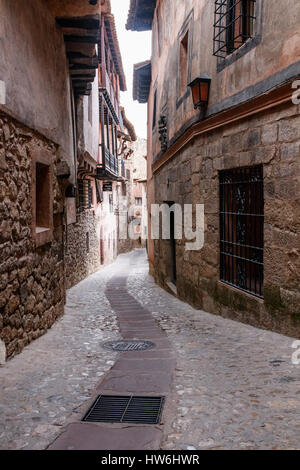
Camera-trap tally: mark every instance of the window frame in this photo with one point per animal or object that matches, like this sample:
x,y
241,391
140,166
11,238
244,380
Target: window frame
x,y
242,212
187,28
229,58
42,235
154,109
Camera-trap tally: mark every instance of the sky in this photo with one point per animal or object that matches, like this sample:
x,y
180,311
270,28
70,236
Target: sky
x,y
135,47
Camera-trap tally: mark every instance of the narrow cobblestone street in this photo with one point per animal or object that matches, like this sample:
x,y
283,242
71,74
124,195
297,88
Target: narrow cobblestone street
x,y
227,385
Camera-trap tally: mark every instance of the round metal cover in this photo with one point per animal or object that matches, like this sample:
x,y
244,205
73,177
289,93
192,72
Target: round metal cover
x,y
129,345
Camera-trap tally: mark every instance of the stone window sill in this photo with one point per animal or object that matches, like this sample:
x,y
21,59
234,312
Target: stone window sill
x,y
172,287
240,291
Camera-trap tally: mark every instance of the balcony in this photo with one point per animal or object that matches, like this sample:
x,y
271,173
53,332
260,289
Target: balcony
x,y
109,168
110,95
123,168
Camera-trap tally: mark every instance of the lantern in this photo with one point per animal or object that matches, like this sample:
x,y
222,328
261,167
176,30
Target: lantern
x,y
200,90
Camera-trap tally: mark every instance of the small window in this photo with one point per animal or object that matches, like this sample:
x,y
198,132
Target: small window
x,y
87,242
138,201
183,71
99,193
234,25
84,194
42,197
242,229
111,203
90,108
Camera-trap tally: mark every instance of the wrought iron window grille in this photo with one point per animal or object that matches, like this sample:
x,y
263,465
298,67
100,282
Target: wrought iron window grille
x,y
234,24
242,229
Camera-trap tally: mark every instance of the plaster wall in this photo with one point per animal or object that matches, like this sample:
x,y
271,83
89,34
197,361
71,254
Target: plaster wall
x,y
35,71
277,51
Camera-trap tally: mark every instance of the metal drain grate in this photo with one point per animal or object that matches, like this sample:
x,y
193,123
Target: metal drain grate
x,y
125,409
129,345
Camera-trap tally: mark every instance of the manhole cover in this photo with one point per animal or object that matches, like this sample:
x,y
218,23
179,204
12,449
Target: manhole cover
x,y
123,345
125,409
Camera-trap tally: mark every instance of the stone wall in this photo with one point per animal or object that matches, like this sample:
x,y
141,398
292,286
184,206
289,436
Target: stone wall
x,y
272,139
82,260
32,290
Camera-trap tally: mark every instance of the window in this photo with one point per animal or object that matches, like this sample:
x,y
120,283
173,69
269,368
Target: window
x,y
90,108
242,228
234,25
42,196
87,242
99,193
138,201
111,203
84,194
159,29
183,72
154,109
42,216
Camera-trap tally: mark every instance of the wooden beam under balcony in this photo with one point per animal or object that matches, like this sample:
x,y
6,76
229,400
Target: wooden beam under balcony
x,y
79,58
82,39
81,34
83,68
82,22
82,74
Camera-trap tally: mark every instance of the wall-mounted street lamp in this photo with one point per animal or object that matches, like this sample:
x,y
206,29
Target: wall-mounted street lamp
x,y
200,90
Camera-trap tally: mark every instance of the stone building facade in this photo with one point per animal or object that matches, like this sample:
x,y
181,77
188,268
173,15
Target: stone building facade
x,y
32,272
57,222
238,155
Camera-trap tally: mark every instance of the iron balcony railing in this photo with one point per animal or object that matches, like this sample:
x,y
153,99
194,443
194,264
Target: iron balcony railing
x,y
106,84
109,165
123,168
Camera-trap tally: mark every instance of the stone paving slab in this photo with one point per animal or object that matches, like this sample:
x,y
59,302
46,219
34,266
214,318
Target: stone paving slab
x,y
149,354
46,385
86,436
135,376
136,382
141,335
235,386
143,363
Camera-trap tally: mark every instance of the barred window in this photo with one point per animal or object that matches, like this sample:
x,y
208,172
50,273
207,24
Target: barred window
x,y
84,194
242,228
234,25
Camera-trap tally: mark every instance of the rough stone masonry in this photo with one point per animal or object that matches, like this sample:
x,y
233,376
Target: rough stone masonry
x,y
32,292
191,177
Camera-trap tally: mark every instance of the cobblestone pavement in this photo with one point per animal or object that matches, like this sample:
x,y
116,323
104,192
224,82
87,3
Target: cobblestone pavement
x,y
235,386
46,385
